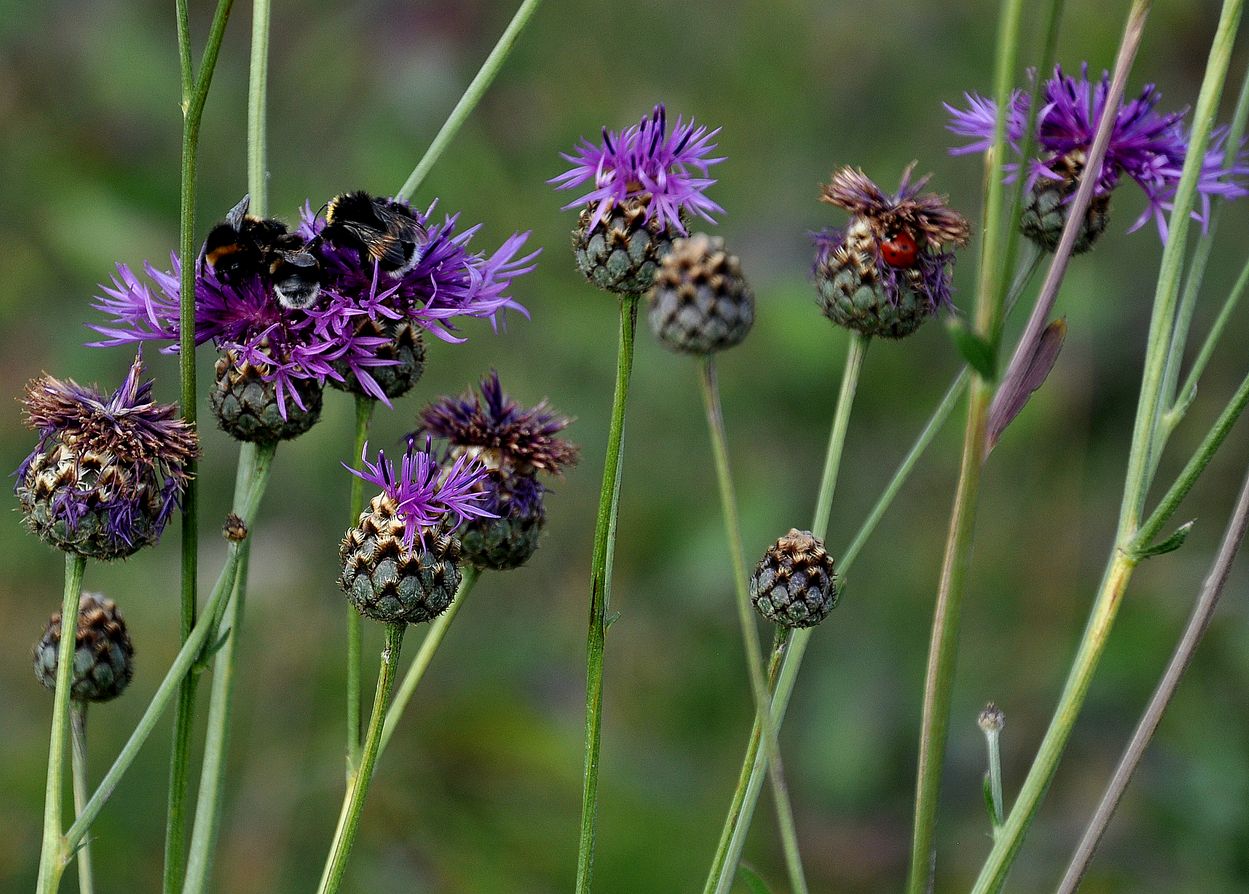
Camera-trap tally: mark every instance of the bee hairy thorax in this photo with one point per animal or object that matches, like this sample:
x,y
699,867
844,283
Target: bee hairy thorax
x,y
382,231
242,246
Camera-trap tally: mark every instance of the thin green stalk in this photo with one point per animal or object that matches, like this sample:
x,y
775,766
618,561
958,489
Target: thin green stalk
x,y
345,836
78,741
789,648
1189,389
187,659
355,722
1199,620
255,463
1192,470
476,89
1136,484
257,111
1166,296
194,96
434,636
50,864
600,590
1196,272
749,625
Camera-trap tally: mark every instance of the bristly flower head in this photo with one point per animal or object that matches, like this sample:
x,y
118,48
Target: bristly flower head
x,y
665,171
500,430
429,497
887,270
108,469
325,341
1145,145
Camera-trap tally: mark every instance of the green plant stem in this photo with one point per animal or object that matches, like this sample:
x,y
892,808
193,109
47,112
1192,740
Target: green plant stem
x,y
78,756
194,96
992,739
788,650
1192,470
345,836
50,864
1121,563
600,590
468,101
355,721
1203,611
257,111
187,659
1189,389
749,625
255,463
434,636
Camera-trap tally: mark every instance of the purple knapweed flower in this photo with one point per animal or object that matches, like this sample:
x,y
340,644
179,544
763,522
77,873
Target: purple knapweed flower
x,y
108,469
887,270
1147,146
644,185
514,443
665,171
345,334
429,497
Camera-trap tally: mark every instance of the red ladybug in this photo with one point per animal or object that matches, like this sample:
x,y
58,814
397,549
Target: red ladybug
x,y
900,251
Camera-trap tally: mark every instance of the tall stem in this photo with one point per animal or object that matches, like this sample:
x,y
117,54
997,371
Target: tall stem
x,y
1136,485
434,636
254,464
194,95
600,590
788,651
345,836
355,723
476,89
78,740
1203,611
51,864
749,625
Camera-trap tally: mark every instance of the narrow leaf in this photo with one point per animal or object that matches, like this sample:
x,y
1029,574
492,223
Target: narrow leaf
x,y
978,353
611,619
753,882
1171,544
1019,386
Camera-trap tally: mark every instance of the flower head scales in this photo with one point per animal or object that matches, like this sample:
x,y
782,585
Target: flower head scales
x,y
666,170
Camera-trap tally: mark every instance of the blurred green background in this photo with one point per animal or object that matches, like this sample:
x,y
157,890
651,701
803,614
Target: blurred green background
x,y
480,790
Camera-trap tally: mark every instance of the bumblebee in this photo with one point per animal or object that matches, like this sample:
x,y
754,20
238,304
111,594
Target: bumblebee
x,y
243,245
381,230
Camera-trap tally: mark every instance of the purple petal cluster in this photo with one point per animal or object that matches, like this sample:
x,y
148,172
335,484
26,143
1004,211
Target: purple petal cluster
x,y
429,495
1146,145
127,429
668,171
325,341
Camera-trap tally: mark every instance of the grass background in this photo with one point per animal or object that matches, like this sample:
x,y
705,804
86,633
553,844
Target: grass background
x,y
480,790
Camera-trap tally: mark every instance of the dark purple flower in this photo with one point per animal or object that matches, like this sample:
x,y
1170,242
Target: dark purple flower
x,y
324,341
119,461
429,496
644,161
1145,145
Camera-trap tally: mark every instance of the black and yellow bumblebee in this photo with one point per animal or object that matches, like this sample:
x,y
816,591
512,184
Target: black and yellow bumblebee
x,y
381,230
243,245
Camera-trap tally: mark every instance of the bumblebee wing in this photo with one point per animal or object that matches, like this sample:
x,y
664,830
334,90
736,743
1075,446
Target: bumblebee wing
x,y
234,217
390,251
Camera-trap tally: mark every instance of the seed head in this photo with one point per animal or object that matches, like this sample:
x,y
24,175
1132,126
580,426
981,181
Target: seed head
x,y
103,654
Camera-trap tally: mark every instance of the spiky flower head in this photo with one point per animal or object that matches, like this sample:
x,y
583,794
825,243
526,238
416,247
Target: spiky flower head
x,y
400,562
345,334
1145,145
887,270
108,469
666,172
646,183
700,302
103,653
515,443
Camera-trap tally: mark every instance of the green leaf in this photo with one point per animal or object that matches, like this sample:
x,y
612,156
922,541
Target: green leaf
x,y
994,822
611,619
1170,545
754,883
979,354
